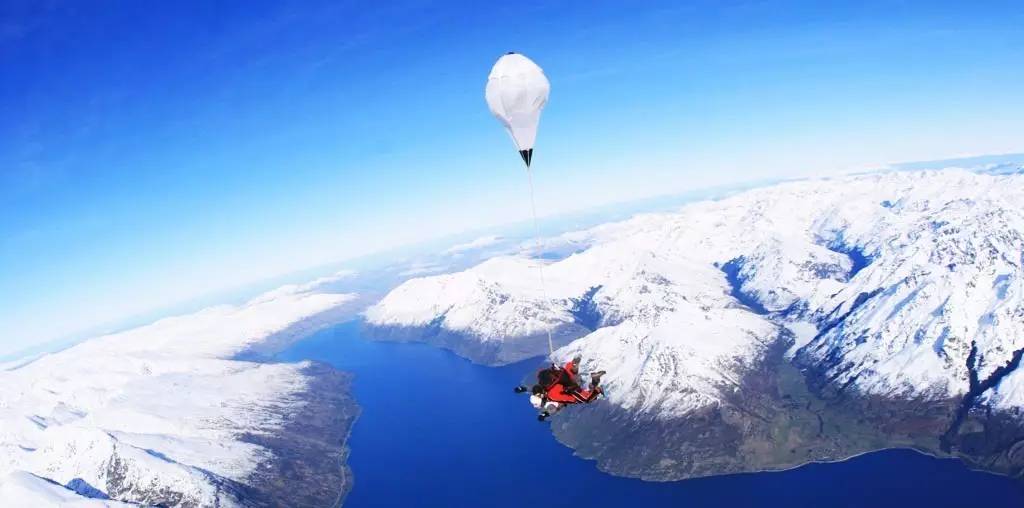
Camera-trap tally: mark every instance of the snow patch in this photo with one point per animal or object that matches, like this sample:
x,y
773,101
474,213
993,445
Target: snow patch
x,y
803,334
21,488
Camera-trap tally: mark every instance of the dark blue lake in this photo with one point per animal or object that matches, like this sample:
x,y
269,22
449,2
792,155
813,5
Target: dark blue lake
x,y
437,430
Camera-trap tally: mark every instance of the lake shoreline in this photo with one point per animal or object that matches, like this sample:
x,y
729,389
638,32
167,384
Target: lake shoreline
x,y
442,451
796,394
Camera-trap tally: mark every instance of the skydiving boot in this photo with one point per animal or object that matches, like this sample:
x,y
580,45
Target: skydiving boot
x,y
595,378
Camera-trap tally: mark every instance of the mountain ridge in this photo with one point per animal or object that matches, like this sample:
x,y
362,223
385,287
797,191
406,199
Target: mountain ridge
x,y
897,274
168,414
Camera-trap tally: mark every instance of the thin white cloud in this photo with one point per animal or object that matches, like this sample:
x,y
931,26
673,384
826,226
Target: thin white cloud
x,y
308,287
479,243
421,269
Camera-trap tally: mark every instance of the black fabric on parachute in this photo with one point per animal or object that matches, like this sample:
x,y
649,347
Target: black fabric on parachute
x,y
527,156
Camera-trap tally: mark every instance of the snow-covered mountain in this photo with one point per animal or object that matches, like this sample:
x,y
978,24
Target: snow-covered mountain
x,y
20,488
164,414
896,286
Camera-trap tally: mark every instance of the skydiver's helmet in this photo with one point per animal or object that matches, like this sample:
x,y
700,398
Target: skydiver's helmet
x,y
540,402
551,407
537,401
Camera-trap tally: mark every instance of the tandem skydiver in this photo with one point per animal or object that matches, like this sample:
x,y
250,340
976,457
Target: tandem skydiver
x,y
559,386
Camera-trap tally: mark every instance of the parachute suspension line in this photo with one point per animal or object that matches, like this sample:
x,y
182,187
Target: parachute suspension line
x,y
516,92
540,264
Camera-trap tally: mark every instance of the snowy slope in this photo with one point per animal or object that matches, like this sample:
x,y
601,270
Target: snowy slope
x,y
161,413
886,279
26,489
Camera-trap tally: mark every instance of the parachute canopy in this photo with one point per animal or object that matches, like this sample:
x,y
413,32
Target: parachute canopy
x,y
517,91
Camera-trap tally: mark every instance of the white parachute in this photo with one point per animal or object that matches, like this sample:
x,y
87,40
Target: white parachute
x,y
517,91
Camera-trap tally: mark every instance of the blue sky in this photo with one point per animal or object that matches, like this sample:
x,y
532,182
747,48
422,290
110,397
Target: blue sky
x,y
154,152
